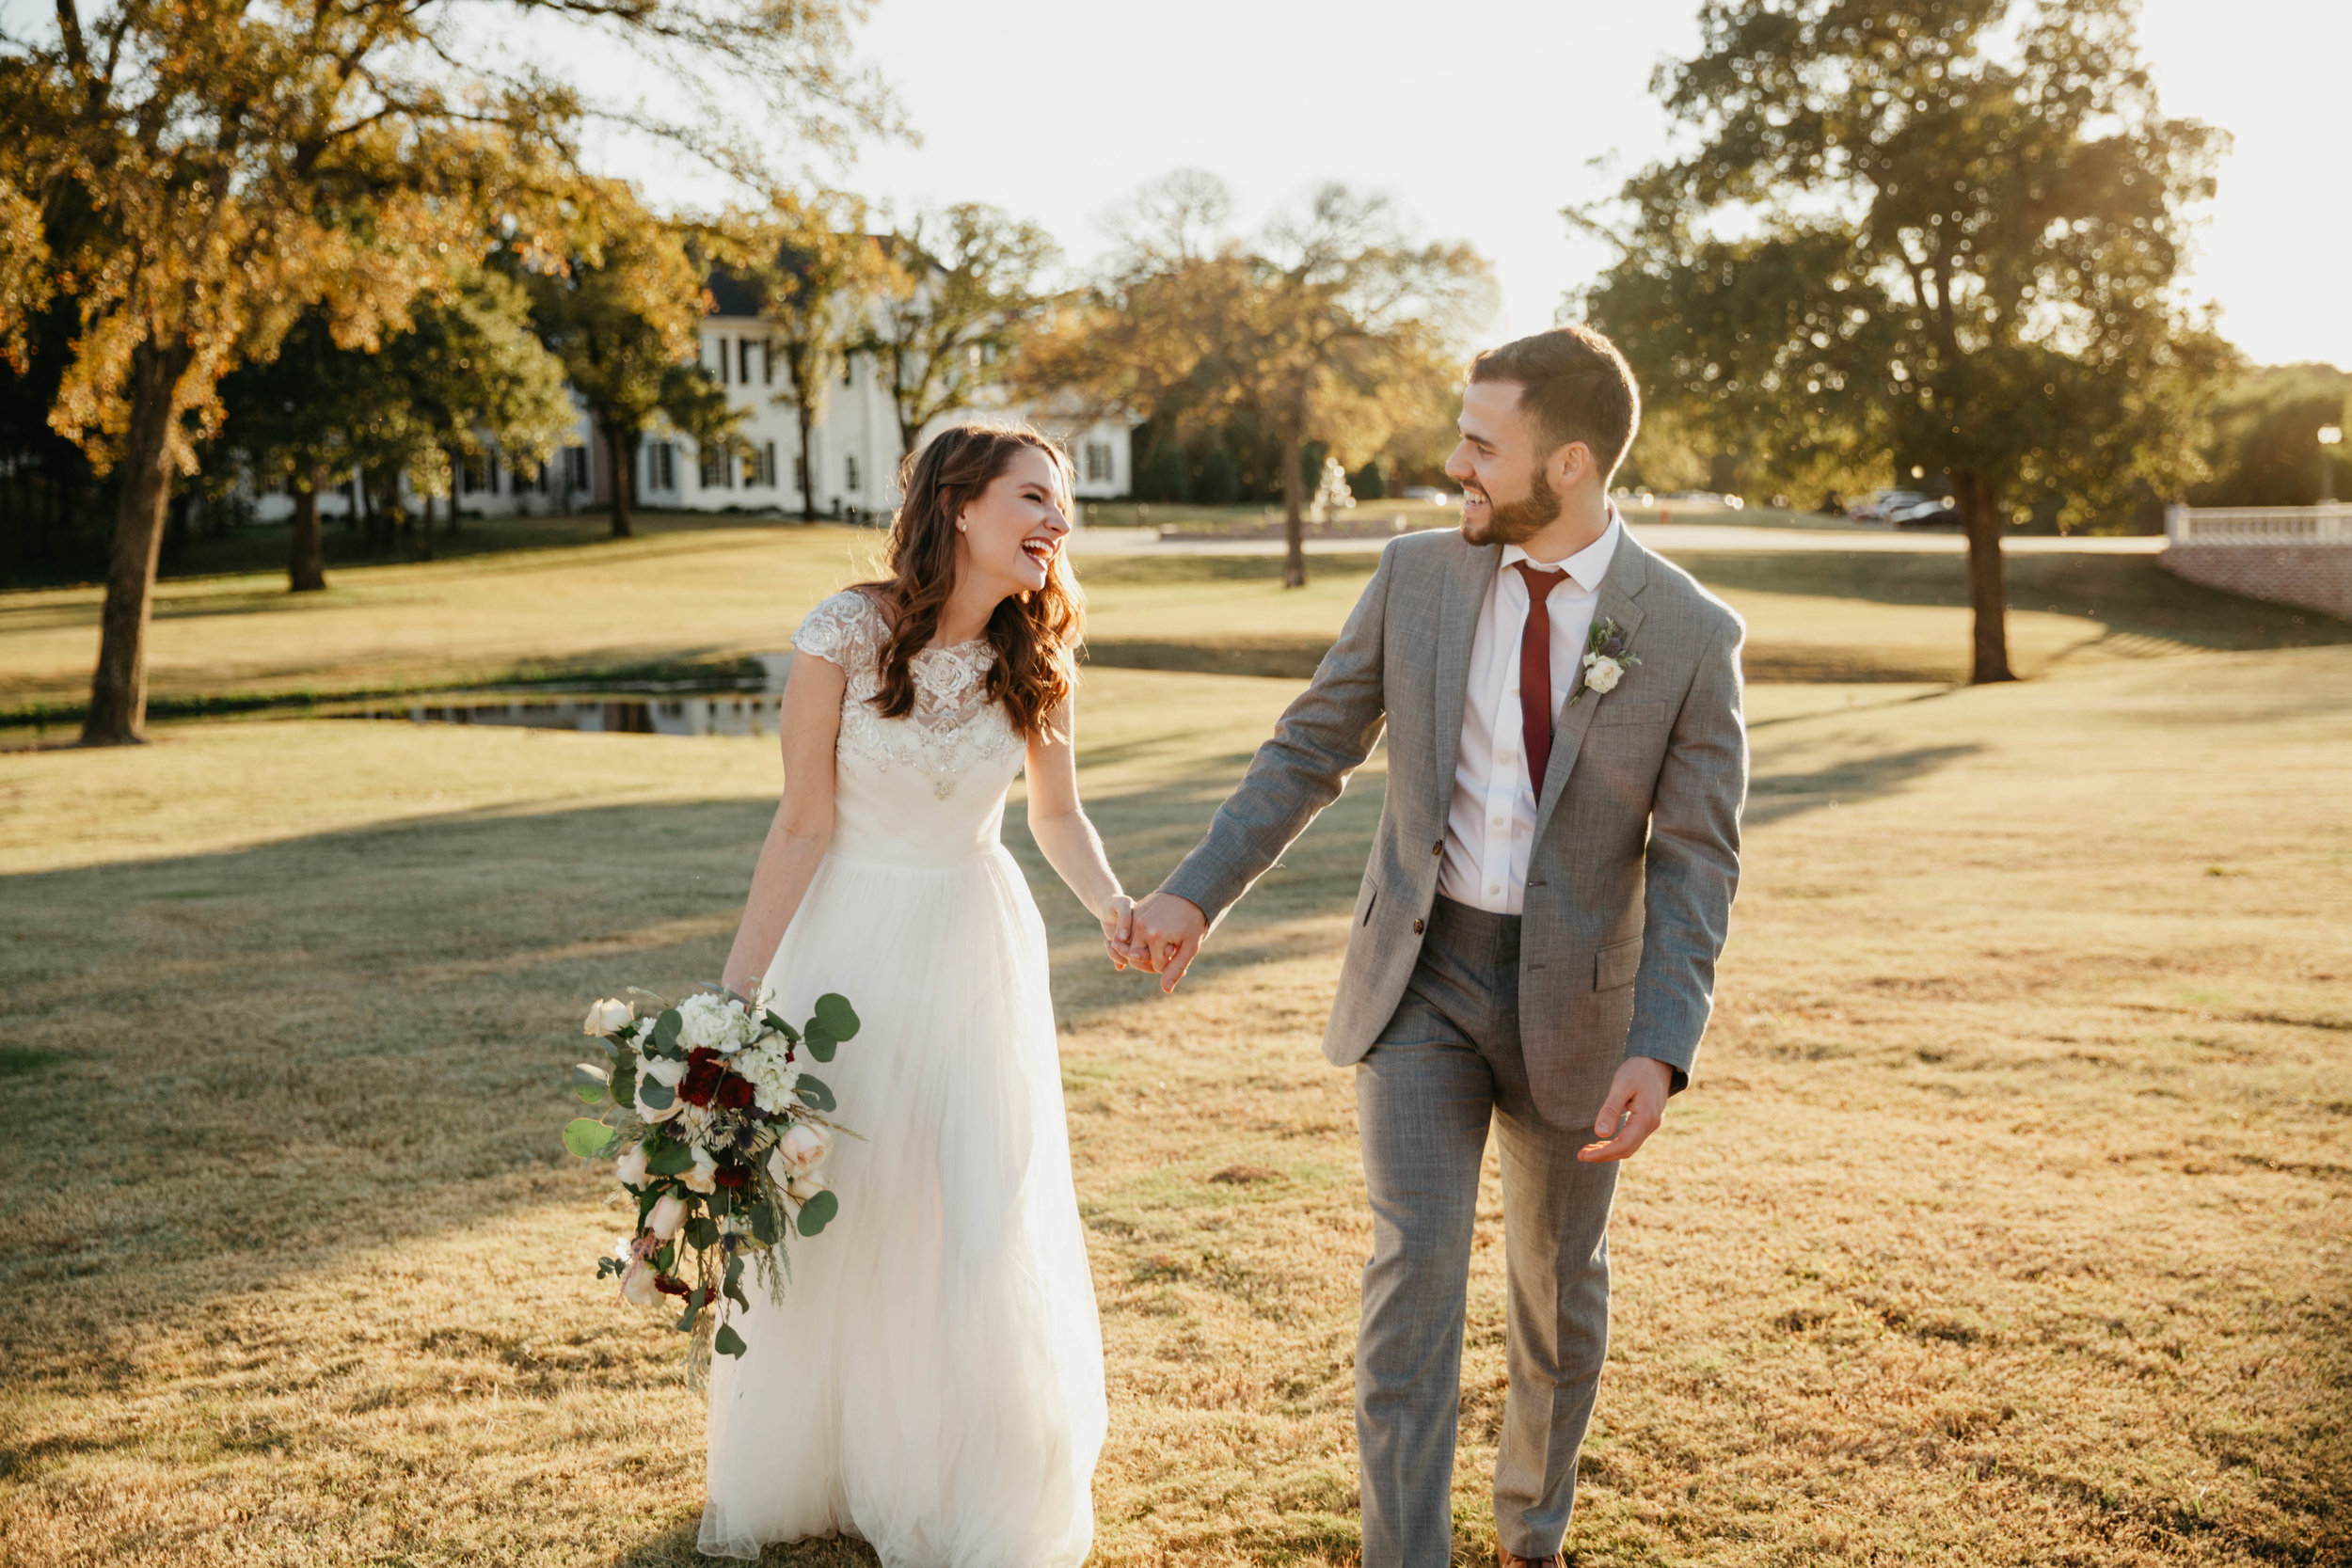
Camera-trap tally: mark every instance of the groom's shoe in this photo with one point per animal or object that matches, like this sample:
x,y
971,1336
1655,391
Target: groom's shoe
x,y
1506,1557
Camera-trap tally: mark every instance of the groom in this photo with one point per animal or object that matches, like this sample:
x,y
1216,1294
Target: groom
x,y
1535,943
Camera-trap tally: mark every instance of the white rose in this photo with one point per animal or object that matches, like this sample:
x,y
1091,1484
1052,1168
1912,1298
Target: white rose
x,y
637,1285
668,1217
799,1152
1602,674
668,1074
630,1167
701,1179
807,1185
609,1017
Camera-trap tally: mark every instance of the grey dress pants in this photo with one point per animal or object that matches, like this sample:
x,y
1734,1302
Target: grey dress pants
x,y
1446,1065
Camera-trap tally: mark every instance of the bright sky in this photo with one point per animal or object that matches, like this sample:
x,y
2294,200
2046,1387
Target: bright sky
x,y
1484,118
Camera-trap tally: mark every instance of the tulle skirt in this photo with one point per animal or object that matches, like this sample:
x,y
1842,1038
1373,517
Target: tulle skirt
x,y
933,1380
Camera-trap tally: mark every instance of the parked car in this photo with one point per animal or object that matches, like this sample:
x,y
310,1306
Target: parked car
x,y
1879,505
1937,512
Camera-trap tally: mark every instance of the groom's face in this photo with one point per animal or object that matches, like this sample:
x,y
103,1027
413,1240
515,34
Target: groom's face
x,y
1507,494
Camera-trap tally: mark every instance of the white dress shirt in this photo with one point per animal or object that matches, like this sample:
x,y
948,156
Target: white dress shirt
x,y
1491,825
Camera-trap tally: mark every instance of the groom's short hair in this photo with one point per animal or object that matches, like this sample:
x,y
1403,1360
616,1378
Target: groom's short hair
x,y
1576,387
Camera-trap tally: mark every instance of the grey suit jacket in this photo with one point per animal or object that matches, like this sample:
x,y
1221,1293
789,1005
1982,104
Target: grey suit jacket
x,y
1636,852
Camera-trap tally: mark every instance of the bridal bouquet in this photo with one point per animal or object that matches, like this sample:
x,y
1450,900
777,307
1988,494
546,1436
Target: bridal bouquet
x,y
720,1140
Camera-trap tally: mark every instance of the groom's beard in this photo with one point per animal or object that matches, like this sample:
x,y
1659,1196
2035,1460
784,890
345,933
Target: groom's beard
x,y
1519,521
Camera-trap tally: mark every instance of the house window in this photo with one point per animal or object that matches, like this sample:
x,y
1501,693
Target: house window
x,y
767,362
1098,456
575,468
714,468
661,467
743,360
473,474
768,465
848,473
849,369
722,343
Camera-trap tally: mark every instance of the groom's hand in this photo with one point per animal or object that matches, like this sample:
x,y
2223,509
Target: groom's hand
x,y
1167,931
1635,1106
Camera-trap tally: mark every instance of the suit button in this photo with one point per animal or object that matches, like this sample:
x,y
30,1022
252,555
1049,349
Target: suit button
x,y
1416,927
1439,847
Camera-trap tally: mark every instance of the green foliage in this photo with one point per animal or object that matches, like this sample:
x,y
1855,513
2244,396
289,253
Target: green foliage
x,y
1218,482
726,1341
1948,230
2265,447
1164,477
960,290
1368,484
815,1094
819,1212
593,1084
588,1138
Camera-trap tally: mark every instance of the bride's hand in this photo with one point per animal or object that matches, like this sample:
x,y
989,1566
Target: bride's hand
x,y
1118,916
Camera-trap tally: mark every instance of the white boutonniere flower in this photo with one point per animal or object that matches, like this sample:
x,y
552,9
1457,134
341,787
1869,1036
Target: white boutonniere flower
x,y
1607,659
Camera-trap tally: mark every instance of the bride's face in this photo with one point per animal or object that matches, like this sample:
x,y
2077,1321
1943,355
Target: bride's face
x,y
1009,536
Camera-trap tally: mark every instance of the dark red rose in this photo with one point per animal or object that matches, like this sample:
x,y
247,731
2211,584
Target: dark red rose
x,y
670,1287
735,1092
728,1175
704,1070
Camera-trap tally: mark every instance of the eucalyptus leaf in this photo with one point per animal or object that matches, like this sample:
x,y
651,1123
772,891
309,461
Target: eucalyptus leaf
x,y
733,1286
669,1159
820,1044
814,1093
701,1232
765,1227
665,1029
693,1304
588,1137
791,1034
819,1212
837,1017
720,1202
657,1095
726,1341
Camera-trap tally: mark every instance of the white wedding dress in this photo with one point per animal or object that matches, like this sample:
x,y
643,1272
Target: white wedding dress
x,y
933,1380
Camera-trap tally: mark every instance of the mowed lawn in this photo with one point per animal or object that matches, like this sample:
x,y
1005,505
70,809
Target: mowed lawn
x,y
2005,1223
695,592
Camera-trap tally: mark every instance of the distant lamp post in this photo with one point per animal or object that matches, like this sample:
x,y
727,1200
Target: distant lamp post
x,y
2330,437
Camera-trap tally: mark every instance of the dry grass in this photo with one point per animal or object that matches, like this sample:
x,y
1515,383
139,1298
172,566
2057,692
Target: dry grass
x,y
693,592
2006,1222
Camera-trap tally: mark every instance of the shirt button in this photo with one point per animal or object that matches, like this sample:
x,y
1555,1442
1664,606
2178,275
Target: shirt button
x,y
1494,890
1498,821
1506,756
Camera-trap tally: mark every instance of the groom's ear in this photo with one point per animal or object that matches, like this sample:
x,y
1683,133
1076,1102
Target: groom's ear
x,y
1569,465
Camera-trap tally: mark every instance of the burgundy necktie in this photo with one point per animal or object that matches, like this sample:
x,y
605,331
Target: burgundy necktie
x,y
1535,672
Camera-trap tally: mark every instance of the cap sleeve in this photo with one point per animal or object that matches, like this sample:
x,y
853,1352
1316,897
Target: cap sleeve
x,y
844,629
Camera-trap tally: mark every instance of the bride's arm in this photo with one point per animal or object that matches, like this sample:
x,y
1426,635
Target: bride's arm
x,y
1059,825
811,723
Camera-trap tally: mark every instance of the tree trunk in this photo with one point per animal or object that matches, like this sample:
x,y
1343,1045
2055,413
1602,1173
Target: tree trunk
x,y
305,545
1294,518
1988,596
620,468
808,465
118,693
455,457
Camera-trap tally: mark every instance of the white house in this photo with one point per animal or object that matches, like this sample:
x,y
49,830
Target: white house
x,y
853,446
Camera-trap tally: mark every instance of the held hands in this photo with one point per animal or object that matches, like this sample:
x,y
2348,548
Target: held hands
x,y
1118,915
1165,934
1635,1106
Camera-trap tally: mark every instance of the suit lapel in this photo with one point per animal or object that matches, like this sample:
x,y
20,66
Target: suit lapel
x,y
1464,593
1618,601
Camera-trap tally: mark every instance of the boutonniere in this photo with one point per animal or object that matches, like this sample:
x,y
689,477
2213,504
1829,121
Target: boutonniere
x,y
1606,660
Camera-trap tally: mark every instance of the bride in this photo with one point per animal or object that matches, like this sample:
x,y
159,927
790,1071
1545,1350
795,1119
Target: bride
x,y
933,1380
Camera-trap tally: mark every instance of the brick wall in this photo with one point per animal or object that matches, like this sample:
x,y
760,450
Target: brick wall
x,y
2316,576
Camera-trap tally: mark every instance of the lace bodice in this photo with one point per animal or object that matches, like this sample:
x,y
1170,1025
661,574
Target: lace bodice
x,y
957,747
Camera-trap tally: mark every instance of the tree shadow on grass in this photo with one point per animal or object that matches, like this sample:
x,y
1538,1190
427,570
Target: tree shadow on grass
x,y
1776,797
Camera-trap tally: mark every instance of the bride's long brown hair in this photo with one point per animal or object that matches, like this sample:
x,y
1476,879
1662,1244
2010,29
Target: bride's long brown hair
x,y
1035,634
